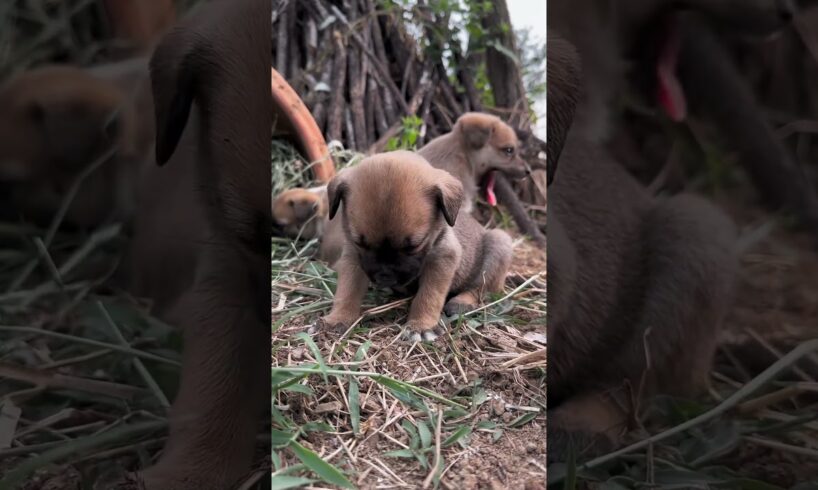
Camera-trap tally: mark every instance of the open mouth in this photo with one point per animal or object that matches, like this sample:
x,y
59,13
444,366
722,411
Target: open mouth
x,y
670,94
488,187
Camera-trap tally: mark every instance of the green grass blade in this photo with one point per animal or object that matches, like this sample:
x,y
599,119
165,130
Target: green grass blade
x,y
457,435
322,365
282,482
326,471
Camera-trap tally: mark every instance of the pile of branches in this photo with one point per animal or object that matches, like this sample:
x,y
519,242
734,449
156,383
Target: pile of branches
x,y
371,71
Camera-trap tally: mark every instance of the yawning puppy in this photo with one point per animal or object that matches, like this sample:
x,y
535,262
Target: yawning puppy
x,y
477,146
403,230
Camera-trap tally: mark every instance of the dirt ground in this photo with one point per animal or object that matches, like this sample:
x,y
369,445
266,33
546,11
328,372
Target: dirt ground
x,y
492,365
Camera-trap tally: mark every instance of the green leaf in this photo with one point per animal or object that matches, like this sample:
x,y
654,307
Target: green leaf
x,y
299,388
280,438
523,419
316,427
316,352
276,460
425,434
457,435
454,413
327,472
354,390
400,453
282,482
479,397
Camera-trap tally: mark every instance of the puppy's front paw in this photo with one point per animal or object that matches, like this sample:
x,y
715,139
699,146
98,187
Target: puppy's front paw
x,y
462,303
415,331
456,308
329,324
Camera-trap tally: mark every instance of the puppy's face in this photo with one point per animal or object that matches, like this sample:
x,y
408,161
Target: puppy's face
x,y
491,145
396,209
294,209
56,121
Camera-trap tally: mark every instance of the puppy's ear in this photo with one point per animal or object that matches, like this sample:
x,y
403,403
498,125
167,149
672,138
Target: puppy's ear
x,y
336,192
448,196
476,129
173,81
564,87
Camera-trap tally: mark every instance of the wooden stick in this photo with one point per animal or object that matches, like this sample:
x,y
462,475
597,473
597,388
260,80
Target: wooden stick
x,y
52,380
336,112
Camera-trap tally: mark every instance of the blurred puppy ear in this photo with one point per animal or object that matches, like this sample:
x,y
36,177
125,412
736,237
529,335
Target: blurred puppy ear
x,y
448,196
564,87
476,128
336,192
173,69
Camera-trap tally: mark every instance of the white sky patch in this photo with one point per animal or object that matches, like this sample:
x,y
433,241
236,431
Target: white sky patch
x,y
531,14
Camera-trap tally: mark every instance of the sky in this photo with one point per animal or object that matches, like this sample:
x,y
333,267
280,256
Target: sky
x,y
531,14
528,13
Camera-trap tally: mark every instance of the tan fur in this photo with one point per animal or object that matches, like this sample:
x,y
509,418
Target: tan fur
x,y
300,212
637,290
475,146
397,200
200,249
57,122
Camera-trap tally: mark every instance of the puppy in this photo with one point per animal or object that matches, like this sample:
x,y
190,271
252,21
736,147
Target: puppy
x,y
404,229
637,290
58,121
201,236
300,212
477,146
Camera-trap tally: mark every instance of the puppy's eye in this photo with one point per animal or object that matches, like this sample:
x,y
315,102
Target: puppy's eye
x,y
291,203
508,150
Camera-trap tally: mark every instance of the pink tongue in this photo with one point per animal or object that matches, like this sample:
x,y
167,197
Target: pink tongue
x,y
490,197
670,93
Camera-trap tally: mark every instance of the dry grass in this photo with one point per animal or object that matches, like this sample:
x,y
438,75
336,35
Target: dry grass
x,y
368,409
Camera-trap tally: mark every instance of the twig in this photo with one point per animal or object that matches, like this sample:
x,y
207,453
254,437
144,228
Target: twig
x,y
431,475
756,383
61,381
137,362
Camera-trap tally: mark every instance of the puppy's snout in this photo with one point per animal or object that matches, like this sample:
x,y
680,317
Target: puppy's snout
x,y
306,210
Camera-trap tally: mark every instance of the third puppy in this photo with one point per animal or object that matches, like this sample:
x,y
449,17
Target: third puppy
x,y
403,229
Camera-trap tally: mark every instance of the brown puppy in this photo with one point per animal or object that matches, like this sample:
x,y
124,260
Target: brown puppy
x,y
637,289
201,237
300,212
477,146
60,121
403,230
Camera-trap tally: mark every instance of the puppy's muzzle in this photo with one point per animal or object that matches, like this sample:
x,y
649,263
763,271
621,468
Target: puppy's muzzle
x,y
305,211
